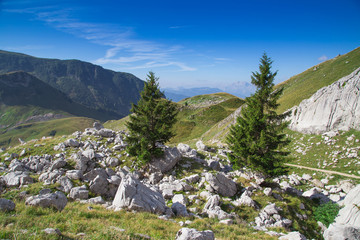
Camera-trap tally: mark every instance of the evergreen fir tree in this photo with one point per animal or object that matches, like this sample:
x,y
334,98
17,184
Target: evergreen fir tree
x,y
151,122
257,138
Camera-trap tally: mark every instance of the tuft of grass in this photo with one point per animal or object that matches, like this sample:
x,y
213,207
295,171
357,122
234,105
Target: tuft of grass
x,y
326,213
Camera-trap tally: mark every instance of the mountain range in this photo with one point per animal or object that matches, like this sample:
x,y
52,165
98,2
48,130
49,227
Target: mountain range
x,y
84,83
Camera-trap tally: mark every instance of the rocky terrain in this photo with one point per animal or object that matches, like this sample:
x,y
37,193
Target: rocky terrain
x,y
183,187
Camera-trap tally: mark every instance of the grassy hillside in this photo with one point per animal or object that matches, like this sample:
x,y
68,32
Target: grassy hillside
x,y
196,115
304,85
14,115
58,127
84,83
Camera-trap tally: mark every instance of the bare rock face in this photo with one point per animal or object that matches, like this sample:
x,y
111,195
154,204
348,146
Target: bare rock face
x,y
193,234
347,223
335,107
133,195
165,163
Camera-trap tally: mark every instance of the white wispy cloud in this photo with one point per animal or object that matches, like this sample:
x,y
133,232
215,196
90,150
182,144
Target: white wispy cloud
x,y
323,58
124,48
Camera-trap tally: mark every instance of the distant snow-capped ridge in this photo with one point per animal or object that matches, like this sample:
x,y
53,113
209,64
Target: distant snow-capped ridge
x,y
335,107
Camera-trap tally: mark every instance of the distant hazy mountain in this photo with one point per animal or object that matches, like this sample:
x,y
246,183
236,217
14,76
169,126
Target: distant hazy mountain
x,y
20,89
177,94
240,89
84,83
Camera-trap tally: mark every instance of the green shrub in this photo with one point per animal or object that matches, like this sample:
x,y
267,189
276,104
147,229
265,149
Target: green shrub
x,y
326,213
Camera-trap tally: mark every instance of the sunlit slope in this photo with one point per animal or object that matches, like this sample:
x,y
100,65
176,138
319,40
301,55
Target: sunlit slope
x,y
196,115
304,85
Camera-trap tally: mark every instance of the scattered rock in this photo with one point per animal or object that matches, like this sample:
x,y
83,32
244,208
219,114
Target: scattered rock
x,y
57,200
79,193
6,205
213,209
201,146
221,184
165,163
293,236
52,231
133,195
193,234
179,209
14,179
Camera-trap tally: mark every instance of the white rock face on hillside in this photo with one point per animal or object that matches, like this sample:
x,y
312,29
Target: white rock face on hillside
x,y
335,107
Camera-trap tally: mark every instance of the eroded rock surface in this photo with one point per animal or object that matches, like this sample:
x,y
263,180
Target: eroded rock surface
x,y
335,107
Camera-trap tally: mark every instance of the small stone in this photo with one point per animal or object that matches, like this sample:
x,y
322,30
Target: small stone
x,y
52,231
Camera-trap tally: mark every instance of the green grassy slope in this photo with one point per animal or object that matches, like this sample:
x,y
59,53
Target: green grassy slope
x,y
13,115
58,127
304,85
196,115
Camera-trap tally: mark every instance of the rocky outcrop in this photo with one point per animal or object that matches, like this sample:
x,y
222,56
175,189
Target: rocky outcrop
x,y
335,107
347,222
133,195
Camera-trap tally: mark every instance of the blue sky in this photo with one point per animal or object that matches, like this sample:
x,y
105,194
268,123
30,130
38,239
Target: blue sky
x,y
186,43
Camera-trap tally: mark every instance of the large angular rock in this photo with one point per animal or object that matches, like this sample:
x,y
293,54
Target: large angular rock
x,y
71,143
99,185
347,222
213,209
335,107
57,200
79,193
104,132
133,195
221,184
59,163
66,184
165,163
6,205
193,234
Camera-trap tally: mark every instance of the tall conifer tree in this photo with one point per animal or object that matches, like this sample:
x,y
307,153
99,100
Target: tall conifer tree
x,y
151,122
257,138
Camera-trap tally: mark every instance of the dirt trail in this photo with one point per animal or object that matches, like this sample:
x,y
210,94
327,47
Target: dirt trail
x,y
325,171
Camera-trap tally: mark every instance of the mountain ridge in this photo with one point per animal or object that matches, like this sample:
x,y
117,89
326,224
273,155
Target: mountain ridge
x,y
85,83
23,89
